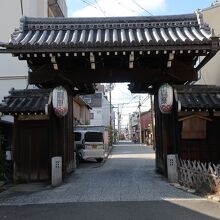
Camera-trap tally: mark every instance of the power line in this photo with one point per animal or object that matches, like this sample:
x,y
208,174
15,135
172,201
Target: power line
x,y
100,8
142,102
90,4
126,7
142,8
136,106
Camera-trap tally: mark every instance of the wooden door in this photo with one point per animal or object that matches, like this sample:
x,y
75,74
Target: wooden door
x,y
32,162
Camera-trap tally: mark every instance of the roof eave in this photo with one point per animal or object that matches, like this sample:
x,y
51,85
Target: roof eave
x,y
17,50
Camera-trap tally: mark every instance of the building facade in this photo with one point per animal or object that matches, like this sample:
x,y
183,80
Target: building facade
x,y
146,127
210,73
14,73
100,113
81,111
133,126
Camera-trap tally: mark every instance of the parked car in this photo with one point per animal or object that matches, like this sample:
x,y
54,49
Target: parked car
x,y
89,144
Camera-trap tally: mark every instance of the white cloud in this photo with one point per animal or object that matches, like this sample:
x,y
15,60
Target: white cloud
x,y
120,8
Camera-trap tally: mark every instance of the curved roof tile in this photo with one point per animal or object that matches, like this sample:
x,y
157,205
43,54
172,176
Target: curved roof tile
x,y
198,97
108,32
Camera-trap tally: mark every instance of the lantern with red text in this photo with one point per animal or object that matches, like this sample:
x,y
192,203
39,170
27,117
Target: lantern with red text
x,y
60,101
165,98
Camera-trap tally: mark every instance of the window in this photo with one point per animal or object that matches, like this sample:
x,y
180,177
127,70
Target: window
x,y
94,137
91,115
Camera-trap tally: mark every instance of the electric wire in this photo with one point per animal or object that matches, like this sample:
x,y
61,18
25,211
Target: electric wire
x,y
126,7
100,8
142,7
90,4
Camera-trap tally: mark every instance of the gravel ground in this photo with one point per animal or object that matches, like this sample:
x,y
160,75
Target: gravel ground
x,y
127,175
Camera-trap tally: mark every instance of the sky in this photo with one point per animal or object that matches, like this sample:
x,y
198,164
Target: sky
x,y
96,8
121,96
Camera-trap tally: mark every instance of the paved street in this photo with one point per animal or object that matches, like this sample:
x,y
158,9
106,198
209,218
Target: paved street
x,y
126,186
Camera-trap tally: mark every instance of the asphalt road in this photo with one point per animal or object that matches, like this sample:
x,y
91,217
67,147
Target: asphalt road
x,y
123,187
154,210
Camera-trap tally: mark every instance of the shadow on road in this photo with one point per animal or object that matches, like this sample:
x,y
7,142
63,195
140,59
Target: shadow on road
x,y
151,210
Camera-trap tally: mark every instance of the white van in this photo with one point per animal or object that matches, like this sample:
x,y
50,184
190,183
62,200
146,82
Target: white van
x,y
89,144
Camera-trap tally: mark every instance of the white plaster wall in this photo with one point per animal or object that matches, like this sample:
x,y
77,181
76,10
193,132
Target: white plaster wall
x,y
210,73
106,112
97,117
13,72
10,14
35,8
102,114
11,67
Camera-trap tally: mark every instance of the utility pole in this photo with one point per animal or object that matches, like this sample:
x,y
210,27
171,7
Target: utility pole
x,y
110,97
110,117
140,131
152,123
118,123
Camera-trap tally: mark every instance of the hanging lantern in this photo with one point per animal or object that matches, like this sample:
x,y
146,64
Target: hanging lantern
x,y
165,98
60,101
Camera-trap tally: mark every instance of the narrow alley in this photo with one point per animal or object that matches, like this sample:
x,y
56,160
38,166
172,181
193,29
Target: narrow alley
x,y
127,179
127,175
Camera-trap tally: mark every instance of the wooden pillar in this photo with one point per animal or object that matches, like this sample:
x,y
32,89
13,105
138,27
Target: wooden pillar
x,y
158,136
165,136
61,137
15,134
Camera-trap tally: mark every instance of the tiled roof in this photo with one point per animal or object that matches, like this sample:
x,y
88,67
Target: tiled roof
x,y
27,101
198,97
120,32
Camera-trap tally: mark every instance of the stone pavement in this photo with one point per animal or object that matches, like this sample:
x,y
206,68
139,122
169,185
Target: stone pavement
x,y
127,175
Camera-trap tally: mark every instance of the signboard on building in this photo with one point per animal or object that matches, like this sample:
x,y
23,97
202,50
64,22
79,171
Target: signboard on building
x,y
60,101
165,98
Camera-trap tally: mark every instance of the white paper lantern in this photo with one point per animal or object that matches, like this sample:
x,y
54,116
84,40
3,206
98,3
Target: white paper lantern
x,y
60,101
165,98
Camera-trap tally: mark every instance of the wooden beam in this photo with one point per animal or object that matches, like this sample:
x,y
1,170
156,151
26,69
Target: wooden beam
x,y
148,75
148,70
204,61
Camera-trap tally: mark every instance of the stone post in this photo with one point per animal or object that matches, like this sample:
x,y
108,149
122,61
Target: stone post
x,y
172,168
56,171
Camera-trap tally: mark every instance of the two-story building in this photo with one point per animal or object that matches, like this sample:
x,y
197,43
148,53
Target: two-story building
x,y
102,113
